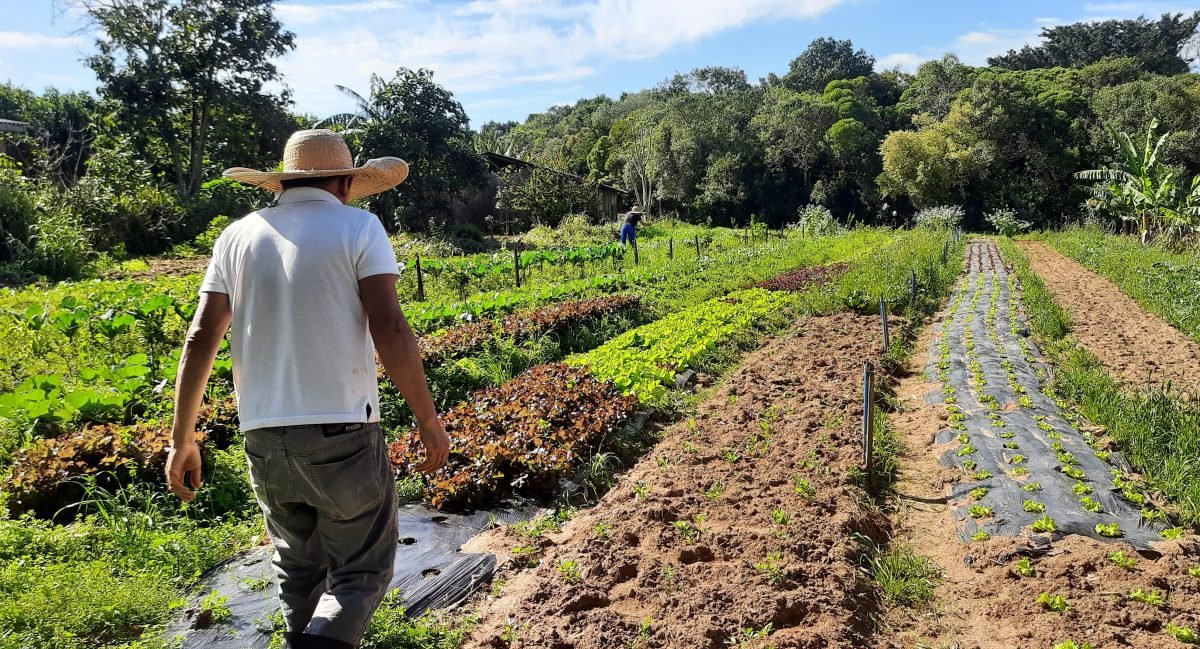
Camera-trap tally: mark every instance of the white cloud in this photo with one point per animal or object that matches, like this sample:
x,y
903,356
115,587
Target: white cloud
x,y
294,13
906,61
22,40
975,38
1047,21
487,45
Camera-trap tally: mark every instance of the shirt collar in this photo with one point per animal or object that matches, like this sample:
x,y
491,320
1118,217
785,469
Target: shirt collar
x,y
304,194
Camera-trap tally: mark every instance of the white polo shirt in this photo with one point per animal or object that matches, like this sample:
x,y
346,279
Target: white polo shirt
x,y
302,352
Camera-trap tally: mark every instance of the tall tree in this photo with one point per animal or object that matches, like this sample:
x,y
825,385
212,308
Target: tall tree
x,y
825,60
1159,45
169,66
414,118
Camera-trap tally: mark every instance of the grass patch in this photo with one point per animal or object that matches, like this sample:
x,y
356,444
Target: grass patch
x,y
905,577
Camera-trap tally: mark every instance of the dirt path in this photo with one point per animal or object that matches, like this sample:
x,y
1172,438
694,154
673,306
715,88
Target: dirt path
x,y
160,267
983,602
1134,345
746,518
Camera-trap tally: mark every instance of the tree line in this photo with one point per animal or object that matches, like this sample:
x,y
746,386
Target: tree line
x,y
183,94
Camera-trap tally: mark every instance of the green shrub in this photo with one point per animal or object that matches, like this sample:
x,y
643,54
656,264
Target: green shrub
x,y
816,221
942,217
206,240
59,245
225,197
573,231
1006,222
18,208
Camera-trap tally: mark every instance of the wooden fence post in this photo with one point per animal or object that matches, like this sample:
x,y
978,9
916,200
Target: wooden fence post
x,y
420,281
670,249
517,266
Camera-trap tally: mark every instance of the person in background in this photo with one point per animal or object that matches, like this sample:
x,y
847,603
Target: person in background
x,y
629,228
309,287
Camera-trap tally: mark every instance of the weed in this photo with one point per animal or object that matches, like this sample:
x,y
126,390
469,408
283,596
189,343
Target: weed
x,y
257,583
216,606
1109,530
1044,525
905,577
1056,603
1152,598
1023,567
526,555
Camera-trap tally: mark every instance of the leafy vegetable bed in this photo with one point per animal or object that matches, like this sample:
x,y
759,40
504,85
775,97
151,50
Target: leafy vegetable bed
x,y
802,278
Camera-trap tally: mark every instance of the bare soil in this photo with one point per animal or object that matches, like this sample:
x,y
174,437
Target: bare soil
x,y
643,583
1138,347
160,267
982,603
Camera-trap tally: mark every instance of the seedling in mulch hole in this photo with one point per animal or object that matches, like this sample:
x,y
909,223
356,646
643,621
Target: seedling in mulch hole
x,y
1172,533
1068,459
1073,472
1183,634
1071,644
640,490
1054,435
1134,497
731,456
964,451
803,488
691,531
981,475
979,511
602,530
963,438
1045,426
715,491
1016,459
1034,507
1153,598
1119,558
1008,434
1020,471
1012,445
1056,603
570,570
978,492
980,535
969,465
1044,525
1090,504
1103,455
1025,402
1081,489
772,568
1109,530
1024,567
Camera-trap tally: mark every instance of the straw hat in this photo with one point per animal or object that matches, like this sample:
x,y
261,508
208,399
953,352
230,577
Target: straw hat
x,y
637,209
321,153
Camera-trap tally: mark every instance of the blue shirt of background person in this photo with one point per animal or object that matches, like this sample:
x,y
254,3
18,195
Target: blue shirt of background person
x,y
629,228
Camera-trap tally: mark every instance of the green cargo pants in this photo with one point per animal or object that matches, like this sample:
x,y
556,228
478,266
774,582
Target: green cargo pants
x,y
329,500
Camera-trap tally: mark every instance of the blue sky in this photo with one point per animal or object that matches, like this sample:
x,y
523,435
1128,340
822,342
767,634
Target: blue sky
x,y
504,59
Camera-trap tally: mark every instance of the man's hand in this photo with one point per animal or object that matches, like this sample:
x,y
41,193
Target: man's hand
x,y
184,463
437,446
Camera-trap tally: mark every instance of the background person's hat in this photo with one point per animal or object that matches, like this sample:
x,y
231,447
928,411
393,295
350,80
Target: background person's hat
x,y
321,153
636,209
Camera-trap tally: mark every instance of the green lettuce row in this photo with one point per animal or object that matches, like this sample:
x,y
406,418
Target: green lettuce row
x,y
642,362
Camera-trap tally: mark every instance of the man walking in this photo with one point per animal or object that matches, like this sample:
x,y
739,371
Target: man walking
x,y
307,288
629,228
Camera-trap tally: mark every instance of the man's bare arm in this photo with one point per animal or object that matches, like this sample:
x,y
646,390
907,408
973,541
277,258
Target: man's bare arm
x,y
208,327
397,347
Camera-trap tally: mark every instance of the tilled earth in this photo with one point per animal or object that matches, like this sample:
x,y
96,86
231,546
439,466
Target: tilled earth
x,y
743,519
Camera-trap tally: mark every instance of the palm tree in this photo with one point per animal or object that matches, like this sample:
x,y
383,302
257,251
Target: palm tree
x,y
353,125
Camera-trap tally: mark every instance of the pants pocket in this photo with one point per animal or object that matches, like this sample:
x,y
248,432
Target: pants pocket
x,y
258,473
353,484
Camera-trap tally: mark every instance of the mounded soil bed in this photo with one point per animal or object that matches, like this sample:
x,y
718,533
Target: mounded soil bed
x,y
1134,345
647,578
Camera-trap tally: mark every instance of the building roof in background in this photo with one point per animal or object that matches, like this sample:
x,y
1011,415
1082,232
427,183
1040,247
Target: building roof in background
x,y
13,126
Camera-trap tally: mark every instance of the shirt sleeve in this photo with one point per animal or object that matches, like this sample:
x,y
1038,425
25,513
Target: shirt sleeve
x,y
375,254
214,277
